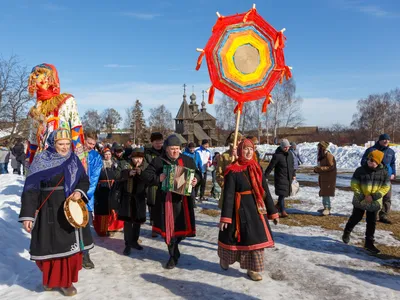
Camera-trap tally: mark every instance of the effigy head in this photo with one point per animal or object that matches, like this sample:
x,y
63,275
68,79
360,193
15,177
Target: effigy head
x,y
44,77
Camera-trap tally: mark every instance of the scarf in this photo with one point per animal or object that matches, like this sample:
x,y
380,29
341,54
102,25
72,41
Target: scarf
x,y
242,164
48,163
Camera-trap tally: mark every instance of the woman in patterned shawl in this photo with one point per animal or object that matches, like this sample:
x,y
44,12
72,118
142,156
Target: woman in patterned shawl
x,y
56,246
247,205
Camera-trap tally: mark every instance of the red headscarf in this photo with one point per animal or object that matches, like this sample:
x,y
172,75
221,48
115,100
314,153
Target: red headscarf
x,y
54,84
254,169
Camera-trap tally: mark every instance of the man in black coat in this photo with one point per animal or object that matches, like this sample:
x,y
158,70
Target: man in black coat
x,y
284,173
150,153
173,214
19,153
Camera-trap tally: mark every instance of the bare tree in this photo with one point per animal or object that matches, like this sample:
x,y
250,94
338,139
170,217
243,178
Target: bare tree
x,y
225,116
161,120
14,98
92,121
111,119
128,117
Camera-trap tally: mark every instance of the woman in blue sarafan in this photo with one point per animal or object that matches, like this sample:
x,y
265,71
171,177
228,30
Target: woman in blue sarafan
x,y
54,175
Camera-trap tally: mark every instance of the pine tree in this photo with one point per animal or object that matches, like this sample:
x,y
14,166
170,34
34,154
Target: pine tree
x,y
138,123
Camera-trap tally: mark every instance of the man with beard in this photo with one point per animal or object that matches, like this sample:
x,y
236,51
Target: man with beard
x,y
173,214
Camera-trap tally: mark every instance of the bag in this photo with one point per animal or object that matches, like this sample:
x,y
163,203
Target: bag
x,y
295,188
362,204
114,198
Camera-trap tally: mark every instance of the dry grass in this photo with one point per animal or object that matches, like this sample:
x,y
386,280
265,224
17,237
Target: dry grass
x,y
303,220
394,216
210,212
289,202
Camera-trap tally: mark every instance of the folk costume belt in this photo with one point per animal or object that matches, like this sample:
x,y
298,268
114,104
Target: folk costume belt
x,y
238,199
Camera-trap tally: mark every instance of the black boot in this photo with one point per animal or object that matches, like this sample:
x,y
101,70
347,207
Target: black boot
x,y
136,246
385,220
87,262
346,236
127,251
369,245
171,263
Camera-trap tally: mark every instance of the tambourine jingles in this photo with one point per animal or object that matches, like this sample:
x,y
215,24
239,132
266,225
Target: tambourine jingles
x,y
76,213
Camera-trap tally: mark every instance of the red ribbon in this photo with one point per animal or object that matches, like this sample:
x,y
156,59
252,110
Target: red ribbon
x,y
267,101
239,107
211,95
199,60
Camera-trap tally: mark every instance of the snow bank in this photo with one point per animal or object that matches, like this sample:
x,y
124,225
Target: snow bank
x,y
347,157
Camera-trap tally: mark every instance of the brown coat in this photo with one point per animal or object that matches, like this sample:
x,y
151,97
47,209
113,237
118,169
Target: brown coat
x,y
327,175
225,159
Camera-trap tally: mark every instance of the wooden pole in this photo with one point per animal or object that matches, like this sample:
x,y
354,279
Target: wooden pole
x,y
236,131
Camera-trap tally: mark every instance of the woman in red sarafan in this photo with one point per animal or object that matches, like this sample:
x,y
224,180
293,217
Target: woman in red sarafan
x,y
247,205
105,220
54,175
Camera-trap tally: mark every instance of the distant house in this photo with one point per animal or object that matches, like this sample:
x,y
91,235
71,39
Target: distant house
x,y
295,134
194,125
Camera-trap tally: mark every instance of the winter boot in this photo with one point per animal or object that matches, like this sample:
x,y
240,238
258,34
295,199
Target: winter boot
x,y
284,214
87,262
223,265
385,220
255,276
127,251
346,237
321,210
369,245
137,246
170,264
71,291
47,289
326,212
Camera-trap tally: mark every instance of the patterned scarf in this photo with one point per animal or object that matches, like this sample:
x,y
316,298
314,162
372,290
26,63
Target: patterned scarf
x,y
255,173
48,163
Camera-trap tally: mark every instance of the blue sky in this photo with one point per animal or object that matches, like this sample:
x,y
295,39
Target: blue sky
x,y
110,53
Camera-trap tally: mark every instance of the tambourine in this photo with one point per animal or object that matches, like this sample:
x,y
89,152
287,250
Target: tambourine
x,y
76,213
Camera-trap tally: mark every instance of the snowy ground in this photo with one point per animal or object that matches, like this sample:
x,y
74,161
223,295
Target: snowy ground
x,y
306,263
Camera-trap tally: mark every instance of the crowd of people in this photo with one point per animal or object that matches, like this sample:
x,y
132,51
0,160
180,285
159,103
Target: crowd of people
x,y
118,182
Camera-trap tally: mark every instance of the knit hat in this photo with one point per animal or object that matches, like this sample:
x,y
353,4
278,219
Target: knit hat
x,y
376,156
285,143
323,144
384,136
191,145
118,148
205,141
172,140
293,144
156,136
137,152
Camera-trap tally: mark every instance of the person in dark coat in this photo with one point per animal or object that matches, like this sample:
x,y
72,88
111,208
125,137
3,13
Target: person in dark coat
x,y
133,200
389,160
54,175
173,214
150,153
19,153
247,205
105,219
284,173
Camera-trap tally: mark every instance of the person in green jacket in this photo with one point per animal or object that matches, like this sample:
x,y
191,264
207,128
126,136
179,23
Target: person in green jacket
x,y
369,183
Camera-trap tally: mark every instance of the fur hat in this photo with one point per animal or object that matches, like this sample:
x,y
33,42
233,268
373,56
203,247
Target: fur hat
x,y
156,136
285,143
323,144
376,156
231,136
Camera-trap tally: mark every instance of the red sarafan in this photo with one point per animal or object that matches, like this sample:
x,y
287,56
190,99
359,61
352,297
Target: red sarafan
x,y
245,58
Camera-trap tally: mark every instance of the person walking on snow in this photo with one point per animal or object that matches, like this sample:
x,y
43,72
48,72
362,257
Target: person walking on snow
x,y
205,156
327,176
389,160
284,174
370,183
